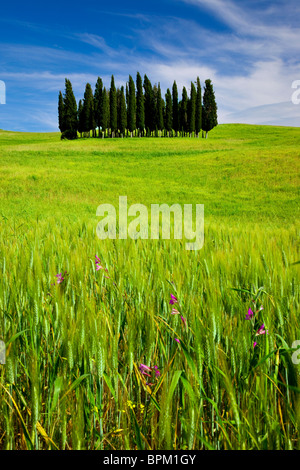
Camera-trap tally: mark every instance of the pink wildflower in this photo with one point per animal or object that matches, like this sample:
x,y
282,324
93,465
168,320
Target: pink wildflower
x,y
144,369
249,314
261,330
173,300
98,263
174,311
60,277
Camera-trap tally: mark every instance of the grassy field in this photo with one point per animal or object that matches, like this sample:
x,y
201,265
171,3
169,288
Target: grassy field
x,y
72,377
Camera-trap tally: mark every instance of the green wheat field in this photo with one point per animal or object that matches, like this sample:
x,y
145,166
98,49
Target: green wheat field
x,y
72,377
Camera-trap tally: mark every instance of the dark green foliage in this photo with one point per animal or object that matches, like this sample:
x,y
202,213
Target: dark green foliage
x,y
175,106
209,110
69,113
80,118
131,119
113,106
149,105
159,108
88,117
98,102
192,109
198,116
140,108
168,115
122,112
184,111
61,112
105,110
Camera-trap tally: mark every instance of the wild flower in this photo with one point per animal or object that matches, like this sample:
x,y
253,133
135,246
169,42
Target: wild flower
x,y
249,314
149,372
98,263
174,300
145,369
99,266
174,311
261,330
60,278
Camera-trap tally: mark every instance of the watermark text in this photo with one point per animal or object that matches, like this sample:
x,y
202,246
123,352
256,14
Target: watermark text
x,y
2,352
296,354
296,94
185,225
2,92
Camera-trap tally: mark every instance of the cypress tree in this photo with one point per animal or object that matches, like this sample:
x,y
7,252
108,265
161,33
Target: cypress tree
x,y
80,118
98,102
175,105
159,108
140,108
149,105
113,107
131,122
61,123
192,109
122,112
70,112
198,116
88,111
183,111
209,110
169,113
104,111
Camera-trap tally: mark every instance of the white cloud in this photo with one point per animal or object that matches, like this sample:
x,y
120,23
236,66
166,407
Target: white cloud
x,y
283,114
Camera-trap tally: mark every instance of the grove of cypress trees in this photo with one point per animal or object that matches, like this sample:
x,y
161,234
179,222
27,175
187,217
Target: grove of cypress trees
x,y
69,113
198,116
140,108
113,107
209,110
131,119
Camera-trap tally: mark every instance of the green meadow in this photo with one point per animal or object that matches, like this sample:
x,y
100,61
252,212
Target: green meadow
x,y
71,377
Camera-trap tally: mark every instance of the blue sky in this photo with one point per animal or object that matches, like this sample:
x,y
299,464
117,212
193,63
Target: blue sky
x,y
249,49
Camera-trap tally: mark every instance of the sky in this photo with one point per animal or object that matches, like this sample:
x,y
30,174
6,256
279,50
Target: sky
x,y
250,49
